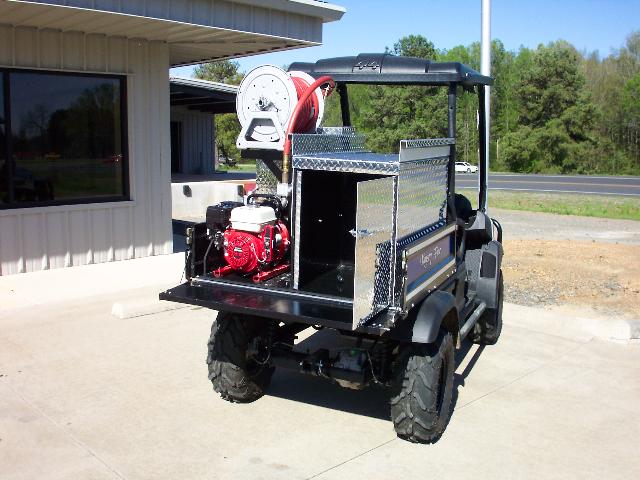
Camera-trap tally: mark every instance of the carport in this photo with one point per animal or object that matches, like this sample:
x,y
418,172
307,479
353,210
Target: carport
x,y
194,103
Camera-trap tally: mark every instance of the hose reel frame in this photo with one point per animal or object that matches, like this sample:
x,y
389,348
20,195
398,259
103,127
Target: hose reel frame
x,y
266,99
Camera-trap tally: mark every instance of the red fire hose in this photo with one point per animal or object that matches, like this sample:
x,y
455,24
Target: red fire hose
x,y
306,107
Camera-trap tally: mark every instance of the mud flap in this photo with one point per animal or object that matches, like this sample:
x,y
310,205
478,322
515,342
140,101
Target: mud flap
x,y
488,273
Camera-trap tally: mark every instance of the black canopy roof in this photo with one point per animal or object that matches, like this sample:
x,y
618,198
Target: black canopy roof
x,y
384,68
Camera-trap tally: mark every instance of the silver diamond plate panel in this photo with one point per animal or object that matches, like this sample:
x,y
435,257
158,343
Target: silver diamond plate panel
x,y
373,232
336,130
266,181
427,142
304,143
352,162
422,195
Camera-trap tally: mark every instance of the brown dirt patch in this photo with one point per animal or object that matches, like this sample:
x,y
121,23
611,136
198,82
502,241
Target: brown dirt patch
x,y
602,276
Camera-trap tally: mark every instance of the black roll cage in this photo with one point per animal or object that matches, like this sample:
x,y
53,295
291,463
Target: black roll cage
x,y
387,69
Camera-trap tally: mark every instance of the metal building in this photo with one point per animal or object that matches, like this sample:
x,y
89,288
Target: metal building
x,y
85,154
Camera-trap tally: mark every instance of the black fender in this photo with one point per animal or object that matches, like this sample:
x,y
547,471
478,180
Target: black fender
x,y
424,321
488,273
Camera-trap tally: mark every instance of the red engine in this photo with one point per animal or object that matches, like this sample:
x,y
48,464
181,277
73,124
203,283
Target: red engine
x,y
256,242
247,251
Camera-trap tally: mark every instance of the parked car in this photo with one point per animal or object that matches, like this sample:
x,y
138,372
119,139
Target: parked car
x,y
464,167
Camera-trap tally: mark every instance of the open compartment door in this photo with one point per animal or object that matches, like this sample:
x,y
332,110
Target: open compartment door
x,y
374,248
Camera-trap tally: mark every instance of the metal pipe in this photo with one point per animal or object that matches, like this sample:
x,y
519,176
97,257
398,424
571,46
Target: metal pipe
x,y
485,69
482,172
451,133
344,104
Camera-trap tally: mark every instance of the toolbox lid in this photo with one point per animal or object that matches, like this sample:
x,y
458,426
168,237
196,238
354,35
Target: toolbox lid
x,y
388,69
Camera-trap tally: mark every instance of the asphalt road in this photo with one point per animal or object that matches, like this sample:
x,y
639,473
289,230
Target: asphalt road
x,y
627,186
599,185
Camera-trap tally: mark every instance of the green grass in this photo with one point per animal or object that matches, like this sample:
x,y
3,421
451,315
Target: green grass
x,y
240,167
605,206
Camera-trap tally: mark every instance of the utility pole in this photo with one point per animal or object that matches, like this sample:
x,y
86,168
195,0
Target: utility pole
x,y
485,69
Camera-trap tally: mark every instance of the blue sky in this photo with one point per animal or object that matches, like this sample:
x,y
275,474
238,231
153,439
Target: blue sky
x,y
371,25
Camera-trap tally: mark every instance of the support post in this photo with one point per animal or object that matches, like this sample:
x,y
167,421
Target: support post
x,y
344,104
451,133
484,164
485,69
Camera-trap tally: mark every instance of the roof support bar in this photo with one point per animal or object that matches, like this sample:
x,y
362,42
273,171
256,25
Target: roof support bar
x,y
485,69
451,133
483,163
344,104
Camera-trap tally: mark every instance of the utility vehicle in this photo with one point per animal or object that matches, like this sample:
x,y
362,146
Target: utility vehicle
x,y
377,247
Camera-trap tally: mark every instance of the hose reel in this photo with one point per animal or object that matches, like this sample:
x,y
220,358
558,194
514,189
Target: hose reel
x,y
266,100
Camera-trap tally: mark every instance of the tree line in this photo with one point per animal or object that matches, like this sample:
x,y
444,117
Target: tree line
x,y
553,109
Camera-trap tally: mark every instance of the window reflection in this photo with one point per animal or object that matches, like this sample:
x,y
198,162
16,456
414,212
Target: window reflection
x,y
66,137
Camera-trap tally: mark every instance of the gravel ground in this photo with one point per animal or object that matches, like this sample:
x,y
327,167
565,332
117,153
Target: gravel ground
x,y
548,226
589,263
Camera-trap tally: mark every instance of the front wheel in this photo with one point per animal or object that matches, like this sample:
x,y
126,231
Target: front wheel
x,y
468,170
422,390
238,357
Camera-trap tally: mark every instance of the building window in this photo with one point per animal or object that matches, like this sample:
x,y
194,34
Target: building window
x,y
62,138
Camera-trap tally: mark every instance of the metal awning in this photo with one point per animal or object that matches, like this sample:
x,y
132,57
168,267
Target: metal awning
x,y
196,31
202,95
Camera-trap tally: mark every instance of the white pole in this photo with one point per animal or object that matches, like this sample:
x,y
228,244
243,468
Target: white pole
x,y
485,69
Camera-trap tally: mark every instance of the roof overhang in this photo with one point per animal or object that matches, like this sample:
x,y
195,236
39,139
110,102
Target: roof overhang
x,y
196,31
202,96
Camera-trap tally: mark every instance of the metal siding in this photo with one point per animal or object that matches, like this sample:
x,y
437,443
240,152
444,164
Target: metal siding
x,y
140,130
100,235
10,248
79,237
261,21
133,7
32,237
27,41
57,238
197,140
117,54
72,51
96,47
179,11
242,17
60,236
222,13
6,45
50,49
164,242
121,228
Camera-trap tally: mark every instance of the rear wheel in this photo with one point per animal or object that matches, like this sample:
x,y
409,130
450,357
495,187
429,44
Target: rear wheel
x,y
422,390
488,328
238,357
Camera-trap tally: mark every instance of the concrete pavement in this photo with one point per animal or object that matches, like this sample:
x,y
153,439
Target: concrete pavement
x,y
86,395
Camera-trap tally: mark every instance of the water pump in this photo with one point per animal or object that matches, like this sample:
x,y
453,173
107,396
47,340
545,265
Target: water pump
x,y
254,241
